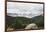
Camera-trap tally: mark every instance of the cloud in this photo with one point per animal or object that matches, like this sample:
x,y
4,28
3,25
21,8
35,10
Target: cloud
x,y
25,9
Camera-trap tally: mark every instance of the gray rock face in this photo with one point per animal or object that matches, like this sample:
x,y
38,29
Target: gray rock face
x,y
31,26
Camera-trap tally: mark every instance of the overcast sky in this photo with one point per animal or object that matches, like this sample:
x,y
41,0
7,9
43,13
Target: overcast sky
x,y
24,9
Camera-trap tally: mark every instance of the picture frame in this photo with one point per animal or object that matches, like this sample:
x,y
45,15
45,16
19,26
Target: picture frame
x,y
22,2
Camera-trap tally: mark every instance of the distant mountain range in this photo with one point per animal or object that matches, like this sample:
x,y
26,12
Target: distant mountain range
x,y
39,20
22,15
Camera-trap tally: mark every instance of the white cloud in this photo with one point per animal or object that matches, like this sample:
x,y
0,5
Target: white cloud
x,y
31,10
